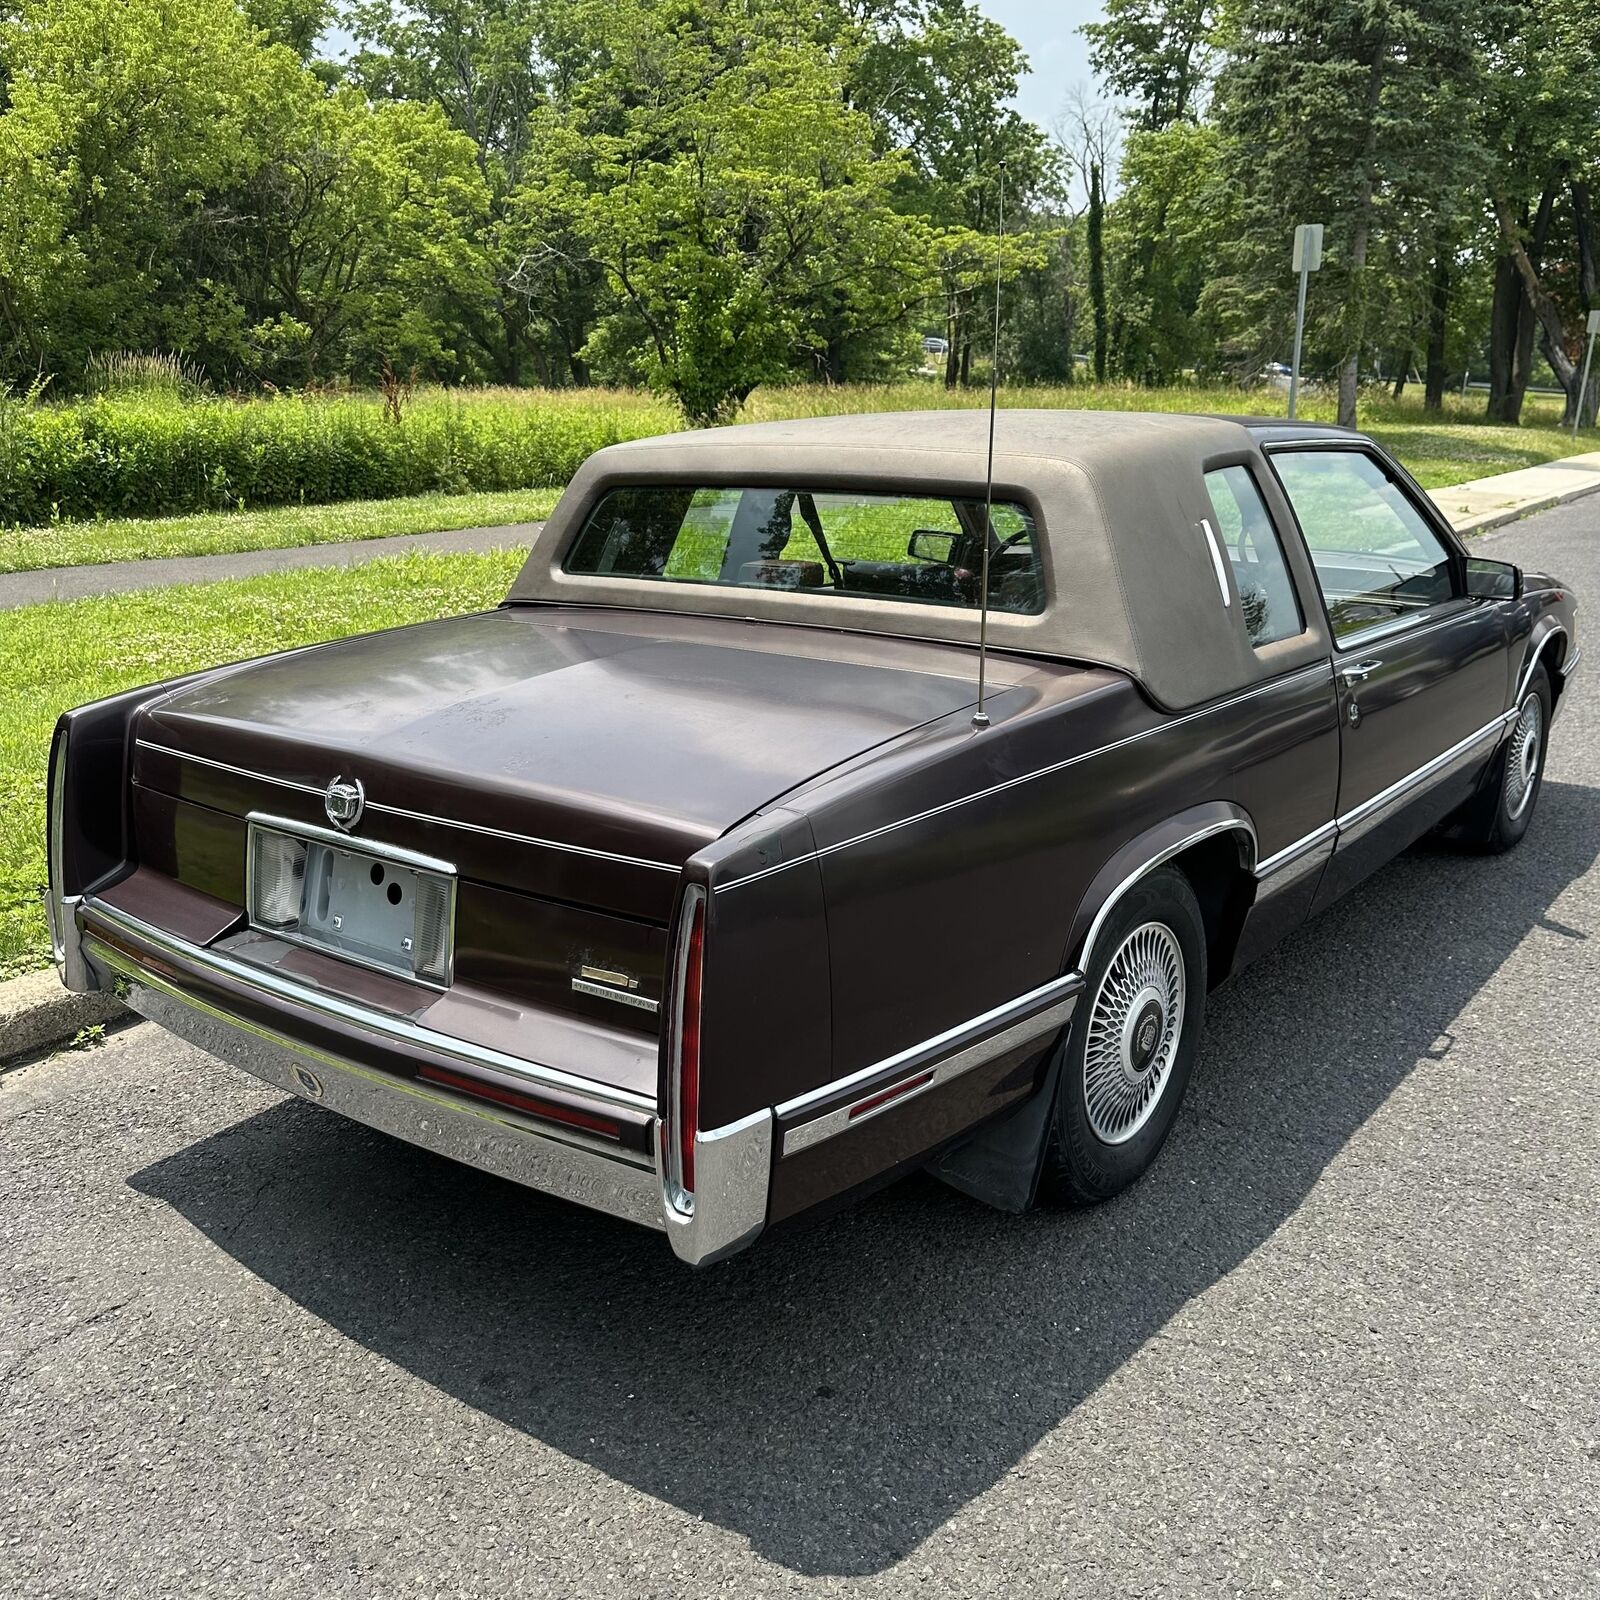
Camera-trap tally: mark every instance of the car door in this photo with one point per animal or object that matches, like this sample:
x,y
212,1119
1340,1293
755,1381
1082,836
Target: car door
x,y
1420,666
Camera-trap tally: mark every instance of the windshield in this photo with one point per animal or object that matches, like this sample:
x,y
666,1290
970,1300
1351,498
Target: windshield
x,y
841,544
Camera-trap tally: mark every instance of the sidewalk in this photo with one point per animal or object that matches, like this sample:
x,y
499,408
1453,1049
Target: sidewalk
x,y
1487,502
121,577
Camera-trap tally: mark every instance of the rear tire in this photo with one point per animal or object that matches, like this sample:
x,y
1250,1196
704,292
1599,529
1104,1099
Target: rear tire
x,y
1496,818
1132,1044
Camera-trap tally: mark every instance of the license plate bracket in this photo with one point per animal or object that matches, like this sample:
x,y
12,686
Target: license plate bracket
x,y
374,904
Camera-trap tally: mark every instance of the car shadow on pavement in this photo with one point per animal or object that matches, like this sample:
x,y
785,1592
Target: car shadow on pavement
x,y
839,1392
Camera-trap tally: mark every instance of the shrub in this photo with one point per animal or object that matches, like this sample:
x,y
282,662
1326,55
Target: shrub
x,y
147,453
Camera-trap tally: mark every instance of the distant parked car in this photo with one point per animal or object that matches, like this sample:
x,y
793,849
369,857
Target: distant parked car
x,y
687,885
933,345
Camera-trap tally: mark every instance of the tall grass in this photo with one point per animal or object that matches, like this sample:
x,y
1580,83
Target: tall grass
x,y
152,446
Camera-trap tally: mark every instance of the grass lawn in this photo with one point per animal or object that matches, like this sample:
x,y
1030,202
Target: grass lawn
x,y
1453,447
53,657
211,532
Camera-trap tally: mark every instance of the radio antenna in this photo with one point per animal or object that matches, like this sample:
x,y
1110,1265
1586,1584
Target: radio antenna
x,y
980,717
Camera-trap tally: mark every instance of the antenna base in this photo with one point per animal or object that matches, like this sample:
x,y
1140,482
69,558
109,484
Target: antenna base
x,y
980,719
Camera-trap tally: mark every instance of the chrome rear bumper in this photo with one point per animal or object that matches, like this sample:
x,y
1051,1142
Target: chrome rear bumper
x,y
478,1134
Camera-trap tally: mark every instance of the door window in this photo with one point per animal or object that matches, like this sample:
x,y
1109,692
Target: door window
x,y
1376,558
1266,592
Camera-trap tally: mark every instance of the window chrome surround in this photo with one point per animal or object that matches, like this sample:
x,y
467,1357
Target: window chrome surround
x,y
1216,563
384,1026
352,845
477,1133
927,1065
410,816
1318,670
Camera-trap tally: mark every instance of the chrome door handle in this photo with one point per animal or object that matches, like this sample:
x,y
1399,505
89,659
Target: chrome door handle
x,y
1357,672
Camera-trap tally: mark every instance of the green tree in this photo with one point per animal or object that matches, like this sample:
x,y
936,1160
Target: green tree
x,y
1354,113
709,164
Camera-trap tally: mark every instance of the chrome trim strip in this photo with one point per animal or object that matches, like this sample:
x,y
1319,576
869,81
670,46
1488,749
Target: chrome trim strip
x,y
416,816
383,1025
479,1134
223,766
354,843
1533,661
1320,669
1420,775
1402,629
1051,1020
732,1175
675,1197
623,997
1210,831
916,1054
1216,564
1293,852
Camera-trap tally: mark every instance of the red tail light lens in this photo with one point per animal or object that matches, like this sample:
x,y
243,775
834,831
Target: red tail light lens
x,y
686,1098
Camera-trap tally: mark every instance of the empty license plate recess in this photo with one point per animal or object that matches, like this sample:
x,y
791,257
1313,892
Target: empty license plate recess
x,y
373,904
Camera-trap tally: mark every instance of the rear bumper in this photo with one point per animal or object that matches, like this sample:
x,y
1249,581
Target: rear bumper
x,y
253,1020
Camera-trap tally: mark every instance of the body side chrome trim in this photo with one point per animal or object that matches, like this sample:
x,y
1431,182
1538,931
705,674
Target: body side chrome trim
x,y
382,1024
414,816
894,1095
1293,852
1320,669
916,1055
1420,775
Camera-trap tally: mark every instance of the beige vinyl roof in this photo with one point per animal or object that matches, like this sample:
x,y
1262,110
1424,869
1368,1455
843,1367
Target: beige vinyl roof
x,y
1119,496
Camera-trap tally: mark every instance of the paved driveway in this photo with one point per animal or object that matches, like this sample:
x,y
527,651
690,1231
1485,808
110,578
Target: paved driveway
x,y
1344,1340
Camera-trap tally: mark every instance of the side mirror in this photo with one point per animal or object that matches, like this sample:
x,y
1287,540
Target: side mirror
x,y
928,545
1493,580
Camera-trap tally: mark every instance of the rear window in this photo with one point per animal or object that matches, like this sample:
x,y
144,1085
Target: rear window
x,y
843,545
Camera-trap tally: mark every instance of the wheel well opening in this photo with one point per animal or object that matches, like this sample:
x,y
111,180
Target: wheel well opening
x,y
1555,660
1218,871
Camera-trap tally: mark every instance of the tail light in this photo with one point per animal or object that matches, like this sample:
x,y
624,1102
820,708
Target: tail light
x,y
683,1114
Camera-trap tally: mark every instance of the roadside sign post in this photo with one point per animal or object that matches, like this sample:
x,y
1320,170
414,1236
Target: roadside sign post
x,y
1307,259
1583,383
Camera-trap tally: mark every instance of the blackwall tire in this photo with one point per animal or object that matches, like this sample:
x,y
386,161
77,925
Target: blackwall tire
x,y
1498,817
1132,1044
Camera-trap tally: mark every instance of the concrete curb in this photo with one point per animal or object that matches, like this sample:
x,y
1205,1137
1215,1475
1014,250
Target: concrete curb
x,y
36,1014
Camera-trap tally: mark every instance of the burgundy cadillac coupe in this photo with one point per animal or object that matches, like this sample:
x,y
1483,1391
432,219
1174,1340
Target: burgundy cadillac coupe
x,y
693,883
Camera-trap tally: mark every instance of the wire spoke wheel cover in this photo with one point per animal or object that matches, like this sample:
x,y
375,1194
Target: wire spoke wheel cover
x,y
1134,1028
1523,755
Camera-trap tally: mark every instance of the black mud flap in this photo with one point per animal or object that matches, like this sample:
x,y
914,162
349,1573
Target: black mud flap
x,y
1002,1162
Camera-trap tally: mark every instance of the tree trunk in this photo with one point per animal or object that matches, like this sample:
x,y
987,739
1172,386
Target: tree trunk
x,y
1400,376
966,362
1355,330
1097,271
1552,336
1438,327
952,340
1588,234
1514,319
1505,399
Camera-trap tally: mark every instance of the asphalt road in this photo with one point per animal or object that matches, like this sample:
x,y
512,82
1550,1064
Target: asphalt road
x,y
1345,1340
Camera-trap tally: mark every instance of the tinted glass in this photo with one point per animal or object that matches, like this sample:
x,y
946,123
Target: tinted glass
x,y
1376,558
844,545
1266,592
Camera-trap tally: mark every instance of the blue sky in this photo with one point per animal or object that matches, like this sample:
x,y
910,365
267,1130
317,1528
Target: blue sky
x,y
1048,31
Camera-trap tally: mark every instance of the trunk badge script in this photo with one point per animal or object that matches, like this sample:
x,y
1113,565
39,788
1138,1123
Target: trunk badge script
x,y
344,802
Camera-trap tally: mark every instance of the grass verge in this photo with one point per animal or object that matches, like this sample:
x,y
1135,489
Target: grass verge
x,y
53,657
69,544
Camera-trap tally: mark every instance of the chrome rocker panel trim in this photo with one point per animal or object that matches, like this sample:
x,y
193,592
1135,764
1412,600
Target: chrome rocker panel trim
x,y
479,1135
